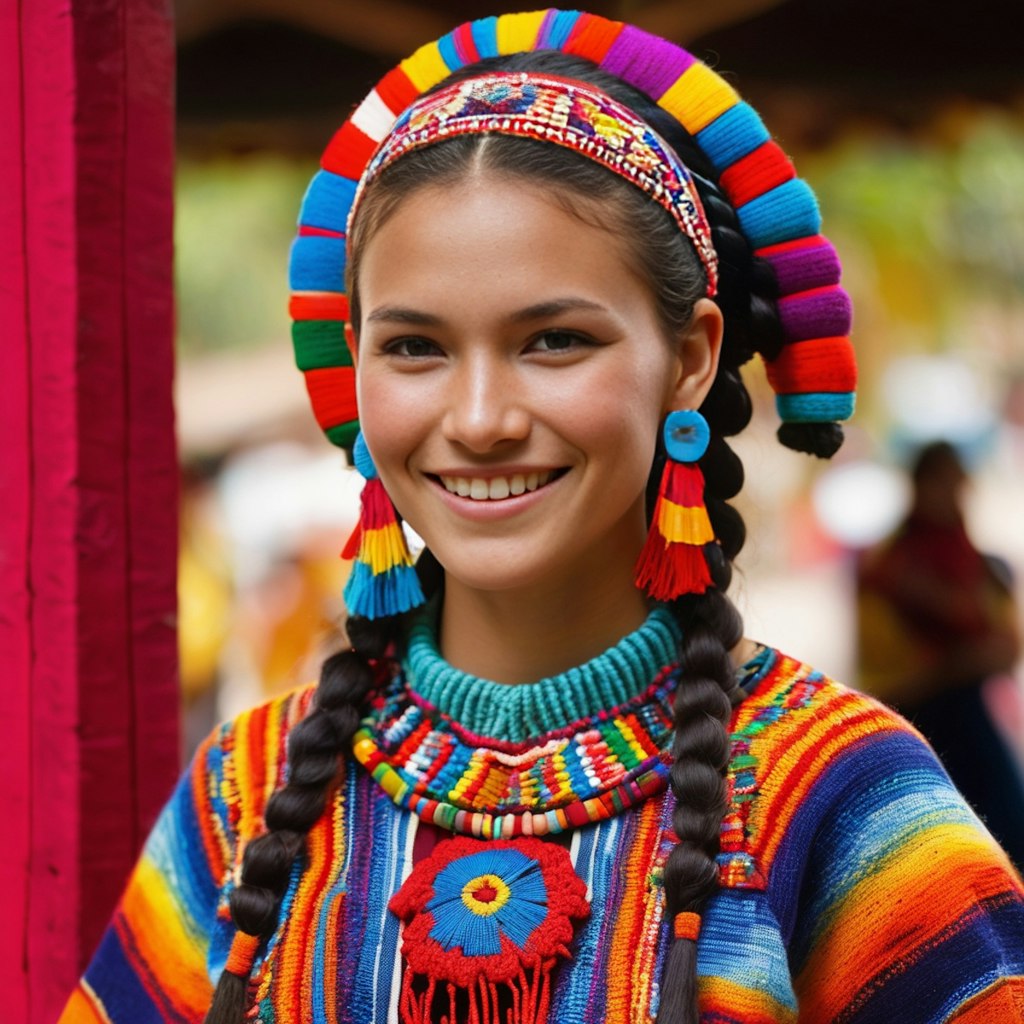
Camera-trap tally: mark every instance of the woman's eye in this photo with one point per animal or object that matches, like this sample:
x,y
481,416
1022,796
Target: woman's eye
x,y
413,348
557,341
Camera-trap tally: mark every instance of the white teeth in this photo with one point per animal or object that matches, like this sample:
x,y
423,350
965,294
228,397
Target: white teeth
x,y
497,488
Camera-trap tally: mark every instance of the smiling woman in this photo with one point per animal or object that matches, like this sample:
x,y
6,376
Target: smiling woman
x,y
548,779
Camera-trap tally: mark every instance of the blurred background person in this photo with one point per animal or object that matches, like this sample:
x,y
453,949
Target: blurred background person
x,y
937,621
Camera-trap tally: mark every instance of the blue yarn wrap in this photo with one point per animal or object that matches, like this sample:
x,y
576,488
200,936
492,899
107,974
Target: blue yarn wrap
x,y
732,135
362,459
557,29
822,407
317,264
789,210
327,201
485,36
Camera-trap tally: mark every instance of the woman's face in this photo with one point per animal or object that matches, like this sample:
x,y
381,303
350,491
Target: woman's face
x,y
512,376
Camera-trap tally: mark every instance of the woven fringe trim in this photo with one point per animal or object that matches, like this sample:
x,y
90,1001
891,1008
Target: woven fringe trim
x,y
530,991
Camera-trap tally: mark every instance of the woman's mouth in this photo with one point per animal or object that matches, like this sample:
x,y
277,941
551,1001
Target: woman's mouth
x,y
497,488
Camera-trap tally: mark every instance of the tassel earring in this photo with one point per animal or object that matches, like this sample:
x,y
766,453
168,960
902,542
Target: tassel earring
x,y
383,581
672,562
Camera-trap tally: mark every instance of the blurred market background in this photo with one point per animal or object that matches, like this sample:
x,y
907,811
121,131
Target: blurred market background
x,y
907,118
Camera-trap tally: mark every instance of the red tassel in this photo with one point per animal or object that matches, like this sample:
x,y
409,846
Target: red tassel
x,y
351,548
683,484
375,508
668,570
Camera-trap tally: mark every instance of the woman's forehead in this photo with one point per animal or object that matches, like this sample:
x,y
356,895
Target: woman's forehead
x,y
497,239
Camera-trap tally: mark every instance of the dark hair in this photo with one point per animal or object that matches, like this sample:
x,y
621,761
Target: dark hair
x,y
935,459
711,626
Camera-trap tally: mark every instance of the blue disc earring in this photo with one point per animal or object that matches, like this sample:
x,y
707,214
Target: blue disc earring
x,y
672,562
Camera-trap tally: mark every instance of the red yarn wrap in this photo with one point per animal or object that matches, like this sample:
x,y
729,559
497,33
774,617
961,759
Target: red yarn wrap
x,y
668,570
686,925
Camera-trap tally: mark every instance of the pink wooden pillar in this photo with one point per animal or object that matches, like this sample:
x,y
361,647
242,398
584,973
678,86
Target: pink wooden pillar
x,y
88,477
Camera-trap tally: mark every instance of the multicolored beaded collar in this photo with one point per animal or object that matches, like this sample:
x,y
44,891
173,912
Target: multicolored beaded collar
x,y
490,760
567,113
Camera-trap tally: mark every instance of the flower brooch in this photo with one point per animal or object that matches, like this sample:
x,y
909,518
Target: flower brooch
x,y
485,924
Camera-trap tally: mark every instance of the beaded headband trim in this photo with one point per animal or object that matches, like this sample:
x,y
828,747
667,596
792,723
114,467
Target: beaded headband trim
x,y
564,112
815,374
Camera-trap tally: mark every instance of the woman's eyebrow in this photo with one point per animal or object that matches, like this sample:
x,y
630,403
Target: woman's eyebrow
x,y
552,307
404,315
536,311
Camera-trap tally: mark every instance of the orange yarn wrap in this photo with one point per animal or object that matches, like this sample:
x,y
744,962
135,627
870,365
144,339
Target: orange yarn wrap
x,y
242,954
686,925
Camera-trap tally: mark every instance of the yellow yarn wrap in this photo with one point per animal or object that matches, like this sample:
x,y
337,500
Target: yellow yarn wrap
x,y
518,32
426,67
698,97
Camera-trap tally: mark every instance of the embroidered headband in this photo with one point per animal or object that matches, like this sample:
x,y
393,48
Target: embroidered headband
x,y
814,376
564,112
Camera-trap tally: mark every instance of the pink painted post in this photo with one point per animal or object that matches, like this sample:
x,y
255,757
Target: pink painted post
x,y
88,532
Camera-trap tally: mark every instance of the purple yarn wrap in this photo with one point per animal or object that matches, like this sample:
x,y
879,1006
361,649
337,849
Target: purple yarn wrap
x,y
648,63
812,266
545,28
824,313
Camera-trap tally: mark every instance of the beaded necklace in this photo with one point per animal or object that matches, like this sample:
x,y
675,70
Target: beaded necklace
x,y
491,760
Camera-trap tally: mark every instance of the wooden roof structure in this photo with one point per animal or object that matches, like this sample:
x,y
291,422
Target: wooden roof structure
x,y
282,74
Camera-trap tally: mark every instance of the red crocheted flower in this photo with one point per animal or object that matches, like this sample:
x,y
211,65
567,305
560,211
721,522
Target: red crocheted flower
x,y
478,911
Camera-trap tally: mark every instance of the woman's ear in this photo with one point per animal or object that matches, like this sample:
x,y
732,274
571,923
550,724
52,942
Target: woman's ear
x,y
698,346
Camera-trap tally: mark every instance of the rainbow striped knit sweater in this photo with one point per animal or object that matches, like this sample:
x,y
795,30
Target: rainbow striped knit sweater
x,y
856,886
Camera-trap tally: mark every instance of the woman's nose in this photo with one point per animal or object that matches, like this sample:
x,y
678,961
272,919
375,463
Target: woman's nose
x,y
485,405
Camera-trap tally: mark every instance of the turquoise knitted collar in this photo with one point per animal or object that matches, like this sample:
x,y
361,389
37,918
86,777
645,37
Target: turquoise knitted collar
x,y
487,759
517,713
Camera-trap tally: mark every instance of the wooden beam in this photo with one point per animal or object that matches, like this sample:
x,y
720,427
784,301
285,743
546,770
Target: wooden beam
x,y
389,28
395,28
682,22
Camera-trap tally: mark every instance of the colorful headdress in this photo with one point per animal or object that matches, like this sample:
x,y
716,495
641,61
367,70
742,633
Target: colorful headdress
x,y
814,375
565,113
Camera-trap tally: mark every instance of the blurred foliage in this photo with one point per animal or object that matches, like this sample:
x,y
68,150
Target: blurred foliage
x,y
235,219
940,217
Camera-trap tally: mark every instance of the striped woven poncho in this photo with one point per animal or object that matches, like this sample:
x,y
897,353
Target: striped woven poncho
x,y
856,885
